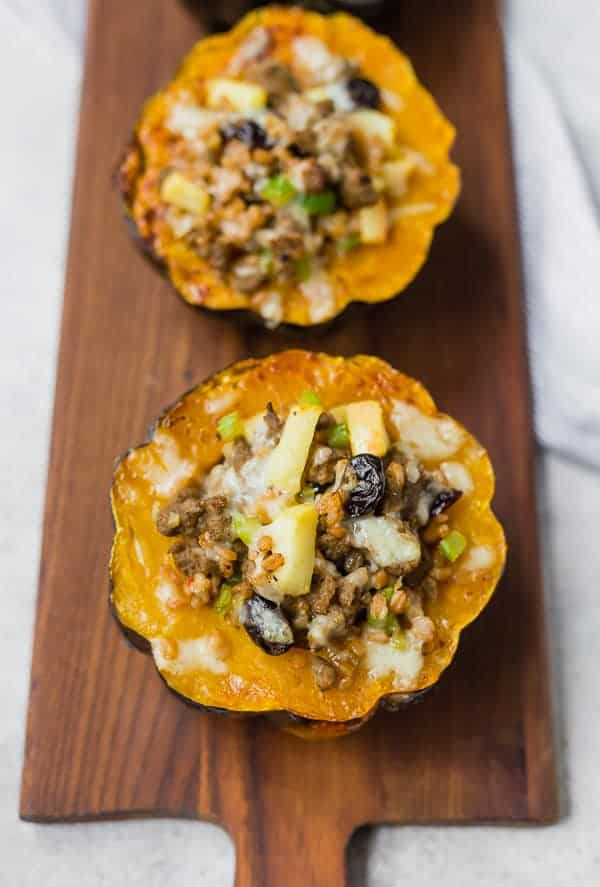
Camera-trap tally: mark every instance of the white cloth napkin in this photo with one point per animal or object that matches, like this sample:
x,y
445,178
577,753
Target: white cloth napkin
x,y
554,67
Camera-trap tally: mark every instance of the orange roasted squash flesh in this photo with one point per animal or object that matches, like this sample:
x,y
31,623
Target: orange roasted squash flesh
x,y
371,273
184,445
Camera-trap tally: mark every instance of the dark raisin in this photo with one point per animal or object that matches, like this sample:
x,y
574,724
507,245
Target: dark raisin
x,y
363,93
443,501
247,131
267,626
364,478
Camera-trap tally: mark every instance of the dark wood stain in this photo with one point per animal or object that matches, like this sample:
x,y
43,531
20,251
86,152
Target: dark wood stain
x,y
104,737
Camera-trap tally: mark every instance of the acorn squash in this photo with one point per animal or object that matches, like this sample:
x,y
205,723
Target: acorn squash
x,y
254,663
290,204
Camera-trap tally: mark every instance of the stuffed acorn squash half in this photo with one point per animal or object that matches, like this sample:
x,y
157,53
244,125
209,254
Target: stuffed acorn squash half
x,y
304,536
292,166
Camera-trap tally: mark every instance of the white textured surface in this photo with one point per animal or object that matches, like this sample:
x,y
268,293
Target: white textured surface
x,y
554,65
558,43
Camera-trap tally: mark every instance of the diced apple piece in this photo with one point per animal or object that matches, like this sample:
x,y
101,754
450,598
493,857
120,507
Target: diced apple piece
x,y
364,419
367,430
190,120
238,94
387,545
288,459
294,533
373,221
180,192
367,124
396,174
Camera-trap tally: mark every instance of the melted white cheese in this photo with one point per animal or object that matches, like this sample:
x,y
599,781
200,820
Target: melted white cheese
x,y
410,209
392,100
254,46
237,683
386,659
139,553
180,223
271,308
428,437
458,476
193,654
222,403
245,486
313,55
190,120
256,433
420,161
385,543
168,471
165,590
479,557
321,297
323,628
242,486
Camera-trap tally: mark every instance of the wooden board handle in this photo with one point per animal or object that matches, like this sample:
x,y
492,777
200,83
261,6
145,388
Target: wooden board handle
x,y
283,834
281,853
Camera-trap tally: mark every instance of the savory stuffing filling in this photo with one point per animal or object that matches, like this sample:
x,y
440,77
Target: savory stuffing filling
x,y
272,170
317,532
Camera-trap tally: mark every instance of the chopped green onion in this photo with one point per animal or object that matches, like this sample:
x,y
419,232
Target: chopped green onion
x,y
376,623
245,528
230,426
303,268
387,592
399,640
307,494
453,545
389,623
278,190
223,601
318,204
346,244
310,397
265,260
339,436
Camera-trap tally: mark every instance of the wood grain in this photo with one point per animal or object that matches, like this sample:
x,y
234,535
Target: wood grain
x,y
104,736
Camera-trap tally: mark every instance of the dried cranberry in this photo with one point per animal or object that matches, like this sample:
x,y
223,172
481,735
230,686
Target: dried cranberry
x,y
247,131
364,478
267,626
363,92
443,501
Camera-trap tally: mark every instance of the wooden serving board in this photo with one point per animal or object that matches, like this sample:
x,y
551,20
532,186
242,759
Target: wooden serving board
x,y
105,738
